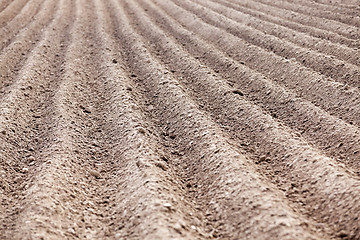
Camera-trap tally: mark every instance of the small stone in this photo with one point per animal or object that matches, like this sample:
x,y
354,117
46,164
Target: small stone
x,y
193,227
150,107
261,159
31,159
71,230
141,130
94,173
25,170
238,92
167,205
161,165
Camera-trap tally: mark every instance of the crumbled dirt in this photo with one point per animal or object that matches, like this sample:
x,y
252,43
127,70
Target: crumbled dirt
x,y
181,119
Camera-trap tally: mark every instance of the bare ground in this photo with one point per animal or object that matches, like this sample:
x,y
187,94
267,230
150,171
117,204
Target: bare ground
x,y
181,119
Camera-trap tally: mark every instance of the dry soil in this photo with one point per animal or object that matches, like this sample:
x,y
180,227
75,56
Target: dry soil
x,y
179,119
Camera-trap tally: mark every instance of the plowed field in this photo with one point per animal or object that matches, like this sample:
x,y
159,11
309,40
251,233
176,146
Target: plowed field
x,y
179,119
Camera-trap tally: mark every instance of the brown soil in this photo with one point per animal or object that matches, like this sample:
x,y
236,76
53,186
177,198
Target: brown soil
x,y
181,119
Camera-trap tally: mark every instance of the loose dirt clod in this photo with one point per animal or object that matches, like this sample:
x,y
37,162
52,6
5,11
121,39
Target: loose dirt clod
x,y
168,206
71,230
31,159
161,165
95,173
85,110
261,159
141,130
150,108
238,92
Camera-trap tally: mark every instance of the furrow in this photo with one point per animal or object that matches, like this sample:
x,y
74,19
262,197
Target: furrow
x,y
275,71
269,25
313,31
220,172
328,8
324,64
24,121
156,119
344,19
10,11
59,202
79,146
14,26
334,136
350,32
142,183
162,204
290,159
306,84
351,4
4,4
15,55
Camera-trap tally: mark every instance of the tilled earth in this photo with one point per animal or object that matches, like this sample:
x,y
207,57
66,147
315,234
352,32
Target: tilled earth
x,y
179,119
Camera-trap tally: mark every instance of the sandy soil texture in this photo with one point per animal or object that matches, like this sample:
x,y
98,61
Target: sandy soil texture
x,y
179,119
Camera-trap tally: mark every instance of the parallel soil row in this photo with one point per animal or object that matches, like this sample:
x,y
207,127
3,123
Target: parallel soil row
x,y
345,30
10,9
18,47
15,21
345,16
278,16
273,26
155,119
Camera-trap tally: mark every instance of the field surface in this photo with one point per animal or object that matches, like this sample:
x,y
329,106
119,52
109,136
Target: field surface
x,y
179,119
